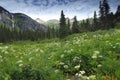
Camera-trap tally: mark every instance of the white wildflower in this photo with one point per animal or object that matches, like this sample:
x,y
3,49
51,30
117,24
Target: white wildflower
x,y
56,71
77,67
114,47
79,75
6,47
94,56
100,56
82,72
0,47
76,74
6,52
117,43
20,61
62,56
66,66
30,59
92,77
96,52
99,65
84,77
75,58
107,41
94,36
37,50
61,63
41,51
88,78
20,65
0,56
68,79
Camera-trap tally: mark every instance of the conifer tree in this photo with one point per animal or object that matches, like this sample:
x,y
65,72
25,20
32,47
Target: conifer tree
x,y
106,8
118,11
63,27
88,26
104,14
101,12
117,14
95,22
75,27
68,26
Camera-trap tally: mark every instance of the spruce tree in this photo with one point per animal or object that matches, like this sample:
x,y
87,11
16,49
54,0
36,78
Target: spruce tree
x,y
104,14
68,27
117,14
118,11
75,27
95,22
101,12
106,8
63,27
88,26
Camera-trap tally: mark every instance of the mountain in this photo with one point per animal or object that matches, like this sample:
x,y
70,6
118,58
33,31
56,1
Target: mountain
x,y
19,20
53,23
40,21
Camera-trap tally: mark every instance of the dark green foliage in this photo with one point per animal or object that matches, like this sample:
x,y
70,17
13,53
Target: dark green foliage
x,y
63,27
75,27
106,8
95,22
9,34
104,15
68,26
27,73
117,14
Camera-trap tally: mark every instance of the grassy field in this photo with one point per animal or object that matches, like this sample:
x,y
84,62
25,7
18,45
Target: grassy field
x,y
88,56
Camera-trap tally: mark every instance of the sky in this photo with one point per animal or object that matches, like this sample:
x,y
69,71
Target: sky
x,y
51,9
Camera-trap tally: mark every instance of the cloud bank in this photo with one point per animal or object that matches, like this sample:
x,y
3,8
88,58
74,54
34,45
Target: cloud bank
x,y
50,9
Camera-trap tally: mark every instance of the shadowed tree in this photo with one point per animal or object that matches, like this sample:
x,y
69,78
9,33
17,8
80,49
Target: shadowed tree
x,y
95,22
117,14
68,26
104,14
75,27
63,27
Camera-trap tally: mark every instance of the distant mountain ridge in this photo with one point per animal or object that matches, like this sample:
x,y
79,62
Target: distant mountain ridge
x,y
19,20
39,20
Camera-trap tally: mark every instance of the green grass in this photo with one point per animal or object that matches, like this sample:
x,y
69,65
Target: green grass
x,y
95,53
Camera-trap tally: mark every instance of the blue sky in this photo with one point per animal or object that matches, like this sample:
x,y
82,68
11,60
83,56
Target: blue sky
x,y
50,9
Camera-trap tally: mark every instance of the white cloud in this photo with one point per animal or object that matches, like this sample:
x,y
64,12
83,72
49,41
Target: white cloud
x,y
80,8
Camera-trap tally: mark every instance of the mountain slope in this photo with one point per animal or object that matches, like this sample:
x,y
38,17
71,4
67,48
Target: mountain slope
x,y
40,21
20,20
26,23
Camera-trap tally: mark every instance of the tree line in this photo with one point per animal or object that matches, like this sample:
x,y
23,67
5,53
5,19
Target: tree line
x,y
105,20
10,34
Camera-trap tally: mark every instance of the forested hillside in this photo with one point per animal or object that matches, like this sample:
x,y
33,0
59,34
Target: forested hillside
x,y
68,49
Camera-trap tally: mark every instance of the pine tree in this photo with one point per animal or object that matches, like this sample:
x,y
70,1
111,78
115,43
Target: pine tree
x,y
117,14
75,27
104,14
111,20
106,8
101,12
88,26
68,27
95,22
63,27
118,11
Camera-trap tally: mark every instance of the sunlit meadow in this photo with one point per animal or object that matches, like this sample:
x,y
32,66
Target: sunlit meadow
x,y
87,56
